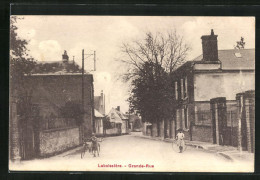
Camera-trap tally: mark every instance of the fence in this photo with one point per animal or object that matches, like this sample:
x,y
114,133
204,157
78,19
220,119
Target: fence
x,y
203,118
232,127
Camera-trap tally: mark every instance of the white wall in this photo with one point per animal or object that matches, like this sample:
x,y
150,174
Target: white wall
x,y
211,85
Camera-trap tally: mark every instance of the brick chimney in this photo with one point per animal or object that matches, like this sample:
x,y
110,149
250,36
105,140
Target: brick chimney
x,y
210,47
118,108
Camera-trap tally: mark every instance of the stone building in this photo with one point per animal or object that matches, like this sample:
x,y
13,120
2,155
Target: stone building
x,y
215,73
54,115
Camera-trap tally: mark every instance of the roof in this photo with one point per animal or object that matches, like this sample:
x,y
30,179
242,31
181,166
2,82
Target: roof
x,y
58,67
98,114
58,74
97,102
121,115
234,59
116,116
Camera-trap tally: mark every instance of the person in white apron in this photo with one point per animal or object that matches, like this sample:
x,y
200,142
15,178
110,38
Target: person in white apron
x,y
180,140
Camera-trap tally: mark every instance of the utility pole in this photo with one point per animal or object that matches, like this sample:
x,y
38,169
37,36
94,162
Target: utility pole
x,y
92,116
82,129
83,79
94,60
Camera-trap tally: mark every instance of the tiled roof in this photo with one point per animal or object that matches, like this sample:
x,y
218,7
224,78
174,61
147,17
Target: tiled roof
x,y
234,59
121,115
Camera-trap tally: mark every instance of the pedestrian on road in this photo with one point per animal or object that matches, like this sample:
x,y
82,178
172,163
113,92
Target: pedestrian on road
x,y
180,140
94,145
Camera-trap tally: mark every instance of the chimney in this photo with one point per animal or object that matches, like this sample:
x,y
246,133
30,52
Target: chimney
x,y
65,57
118,108
210,47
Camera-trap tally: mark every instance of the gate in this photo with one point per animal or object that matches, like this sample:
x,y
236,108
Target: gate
x,y
219,121
246,120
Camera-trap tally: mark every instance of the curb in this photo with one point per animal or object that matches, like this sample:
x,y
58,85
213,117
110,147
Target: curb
x,y
225,156
191,145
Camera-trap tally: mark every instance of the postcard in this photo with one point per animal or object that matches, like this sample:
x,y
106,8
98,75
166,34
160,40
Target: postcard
x,y
132,93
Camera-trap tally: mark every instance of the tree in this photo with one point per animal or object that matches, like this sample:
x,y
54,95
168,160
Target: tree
x,y
240,44
20,65
150,62
20,62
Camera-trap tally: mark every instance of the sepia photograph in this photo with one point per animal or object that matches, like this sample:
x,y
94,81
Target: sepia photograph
x,y
132,93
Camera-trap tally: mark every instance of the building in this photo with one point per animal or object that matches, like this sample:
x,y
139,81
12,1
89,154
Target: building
x,y
57,67
55,114
118,121
215,73
135,122
99,123
99,105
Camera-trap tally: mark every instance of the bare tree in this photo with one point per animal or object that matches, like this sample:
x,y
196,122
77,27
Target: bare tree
x,y
166,50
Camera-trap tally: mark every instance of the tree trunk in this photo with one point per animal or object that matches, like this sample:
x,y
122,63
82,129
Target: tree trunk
x,y
151,130
158,128
14,131
165,128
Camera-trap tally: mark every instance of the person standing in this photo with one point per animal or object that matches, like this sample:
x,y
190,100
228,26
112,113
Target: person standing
x,y
180,140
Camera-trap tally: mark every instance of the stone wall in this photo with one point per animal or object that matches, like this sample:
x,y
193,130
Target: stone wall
x,y
58,140
113,131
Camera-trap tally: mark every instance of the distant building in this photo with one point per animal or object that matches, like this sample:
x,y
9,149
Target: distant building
x,y
99,105
99,123
118,121
216,73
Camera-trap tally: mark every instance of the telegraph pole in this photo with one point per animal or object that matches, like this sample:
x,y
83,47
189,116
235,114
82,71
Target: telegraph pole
x,y
94,60
83,79
82,129
87,55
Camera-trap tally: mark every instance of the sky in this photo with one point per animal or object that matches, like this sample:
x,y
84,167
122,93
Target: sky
x,y
49,36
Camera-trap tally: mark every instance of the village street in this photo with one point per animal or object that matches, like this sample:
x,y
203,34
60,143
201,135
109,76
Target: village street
x,y
129,150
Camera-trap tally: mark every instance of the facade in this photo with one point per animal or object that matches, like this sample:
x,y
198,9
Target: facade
x,y
118,121
55,114
99,105
99,121
216,73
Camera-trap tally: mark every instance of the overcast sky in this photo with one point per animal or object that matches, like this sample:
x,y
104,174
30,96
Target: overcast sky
x,y
50,35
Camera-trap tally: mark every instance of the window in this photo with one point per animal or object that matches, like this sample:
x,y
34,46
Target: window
x,y
186,87
186,118
176,90
178,119
238,55
182,90
112,124
112,115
